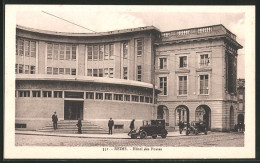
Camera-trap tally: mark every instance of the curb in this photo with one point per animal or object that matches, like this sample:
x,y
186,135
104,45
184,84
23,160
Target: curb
x,y
78,136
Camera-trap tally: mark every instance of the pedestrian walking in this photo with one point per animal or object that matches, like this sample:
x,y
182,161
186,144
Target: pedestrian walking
x,y
79,125
181,126
55,121
110,126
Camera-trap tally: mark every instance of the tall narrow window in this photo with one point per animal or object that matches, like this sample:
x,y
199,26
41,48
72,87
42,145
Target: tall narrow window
x,y
182,85
163,63
68,52
125,73
73,71
89,72
111,72
16,68
101,52
55,71
139,46
49,51
61,71
89,52
95,52
204,60
56,51
163,85
49,70
74,53
32,70
106,72
111,51
26,69
20,47
125,50
204,84
62,51
100,72
27,48
20,69
106,55
139,73
183,61
95,72
67,71
33,49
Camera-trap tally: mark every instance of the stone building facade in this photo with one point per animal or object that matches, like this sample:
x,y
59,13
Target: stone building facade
x,y
139,73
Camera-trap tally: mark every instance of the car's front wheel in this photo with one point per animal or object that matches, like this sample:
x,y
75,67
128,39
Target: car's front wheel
x,y
143,134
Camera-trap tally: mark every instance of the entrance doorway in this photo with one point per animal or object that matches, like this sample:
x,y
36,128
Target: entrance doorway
x,y
202,113
163,113
73,110
181,114
240,119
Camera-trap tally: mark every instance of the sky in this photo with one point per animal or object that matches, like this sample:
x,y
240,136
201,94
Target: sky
x,y
109,18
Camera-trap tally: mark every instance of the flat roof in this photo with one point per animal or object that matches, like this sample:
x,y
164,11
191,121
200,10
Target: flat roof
x,y
84,79
130,30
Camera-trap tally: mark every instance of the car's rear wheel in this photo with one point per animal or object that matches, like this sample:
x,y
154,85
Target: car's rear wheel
x,y
206,132
154,136
164,136
187,132
143,134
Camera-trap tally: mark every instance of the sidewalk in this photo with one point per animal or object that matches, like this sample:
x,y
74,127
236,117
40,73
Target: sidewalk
x,y
102,136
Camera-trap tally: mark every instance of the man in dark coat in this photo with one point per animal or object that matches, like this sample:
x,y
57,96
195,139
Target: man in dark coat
x,y
55,120
110,126
132,125
79,125
181,126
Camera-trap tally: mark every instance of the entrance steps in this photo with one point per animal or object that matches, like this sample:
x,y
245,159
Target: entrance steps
x,y
69,126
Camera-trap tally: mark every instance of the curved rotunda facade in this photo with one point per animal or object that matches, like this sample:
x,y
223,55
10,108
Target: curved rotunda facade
x,y
96,76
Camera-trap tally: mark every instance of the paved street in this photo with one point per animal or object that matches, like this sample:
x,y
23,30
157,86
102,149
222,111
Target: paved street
x,y
213,139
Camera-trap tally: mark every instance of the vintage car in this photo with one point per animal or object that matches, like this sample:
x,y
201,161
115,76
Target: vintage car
x,y
197,127
152,128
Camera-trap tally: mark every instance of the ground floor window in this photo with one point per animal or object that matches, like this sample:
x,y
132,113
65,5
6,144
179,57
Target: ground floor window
x,y
46,94
99,96
118,97
90,95
108,96
135,98
57,94
36,93
24,93
127,97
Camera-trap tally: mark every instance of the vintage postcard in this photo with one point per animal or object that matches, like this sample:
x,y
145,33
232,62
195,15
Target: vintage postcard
x,y
124,82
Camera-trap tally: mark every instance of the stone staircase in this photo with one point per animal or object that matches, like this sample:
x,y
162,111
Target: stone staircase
x,y
69,126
